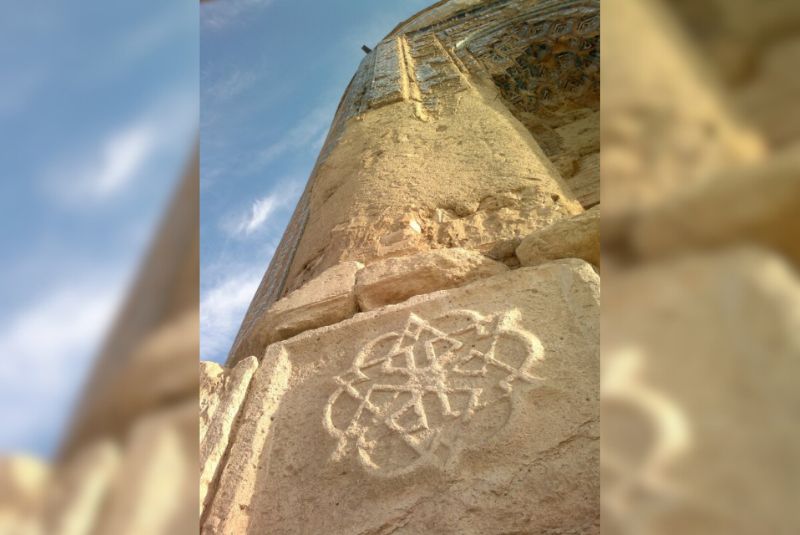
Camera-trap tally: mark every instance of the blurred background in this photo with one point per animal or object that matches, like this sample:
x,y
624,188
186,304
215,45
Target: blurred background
x,y
701,242
98,122
98,111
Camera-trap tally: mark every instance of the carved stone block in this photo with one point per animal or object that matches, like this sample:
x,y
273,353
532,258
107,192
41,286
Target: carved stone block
x,y
485,396
323,300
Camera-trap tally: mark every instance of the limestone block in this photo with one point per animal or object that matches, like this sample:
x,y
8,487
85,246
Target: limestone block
x,y
326,299
757,204
700,397
77,497
211,377
576,237
396,279
219,408
470,410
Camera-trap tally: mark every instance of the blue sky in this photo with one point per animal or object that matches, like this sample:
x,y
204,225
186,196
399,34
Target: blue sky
x,y
98,109
271,75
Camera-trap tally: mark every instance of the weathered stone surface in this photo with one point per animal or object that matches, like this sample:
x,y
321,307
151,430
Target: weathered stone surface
x,y
576,237
387,164
485,396
396,279
211,378
700,397
76,498
497,218
585,182
756,204
158,472
324,300
218,416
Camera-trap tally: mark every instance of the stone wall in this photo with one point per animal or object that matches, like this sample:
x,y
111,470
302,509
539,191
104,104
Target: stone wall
x,y
426,337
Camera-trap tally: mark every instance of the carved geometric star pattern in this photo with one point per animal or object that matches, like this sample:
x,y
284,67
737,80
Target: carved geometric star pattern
x,y
396,404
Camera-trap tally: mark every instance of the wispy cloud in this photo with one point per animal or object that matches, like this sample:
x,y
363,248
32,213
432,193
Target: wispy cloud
x,y
223,13
122,157
222,308
263,209
97,174
150,36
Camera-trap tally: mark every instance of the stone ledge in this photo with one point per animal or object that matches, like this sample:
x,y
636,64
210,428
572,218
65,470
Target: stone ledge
x,y
324,300
393,280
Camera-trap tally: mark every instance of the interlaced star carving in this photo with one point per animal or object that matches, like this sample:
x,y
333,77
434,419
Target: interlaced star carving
x,y
411,397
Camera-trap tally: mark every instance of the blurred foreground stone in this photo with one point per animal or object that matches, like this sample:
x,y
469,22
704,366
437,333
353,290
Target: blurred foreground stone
x,y
701,303
701,357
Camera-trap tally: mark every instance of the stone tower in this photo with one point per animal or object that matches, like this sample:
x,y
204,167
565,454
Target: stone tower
x,y
422,355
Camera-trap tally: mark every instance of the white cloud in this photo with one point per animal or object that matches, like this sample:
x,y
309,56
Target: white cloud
x,y
263,209
260,211
220,14
122,157
105,169
222,308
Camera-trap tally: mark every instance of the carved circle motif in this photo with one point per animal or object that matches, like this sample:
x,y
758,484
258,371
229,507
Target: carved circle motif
x,y
418,396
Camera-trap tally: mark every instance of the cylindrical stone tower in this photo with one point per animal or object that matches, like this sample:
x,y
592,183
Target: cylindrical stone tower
x,y
471,125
